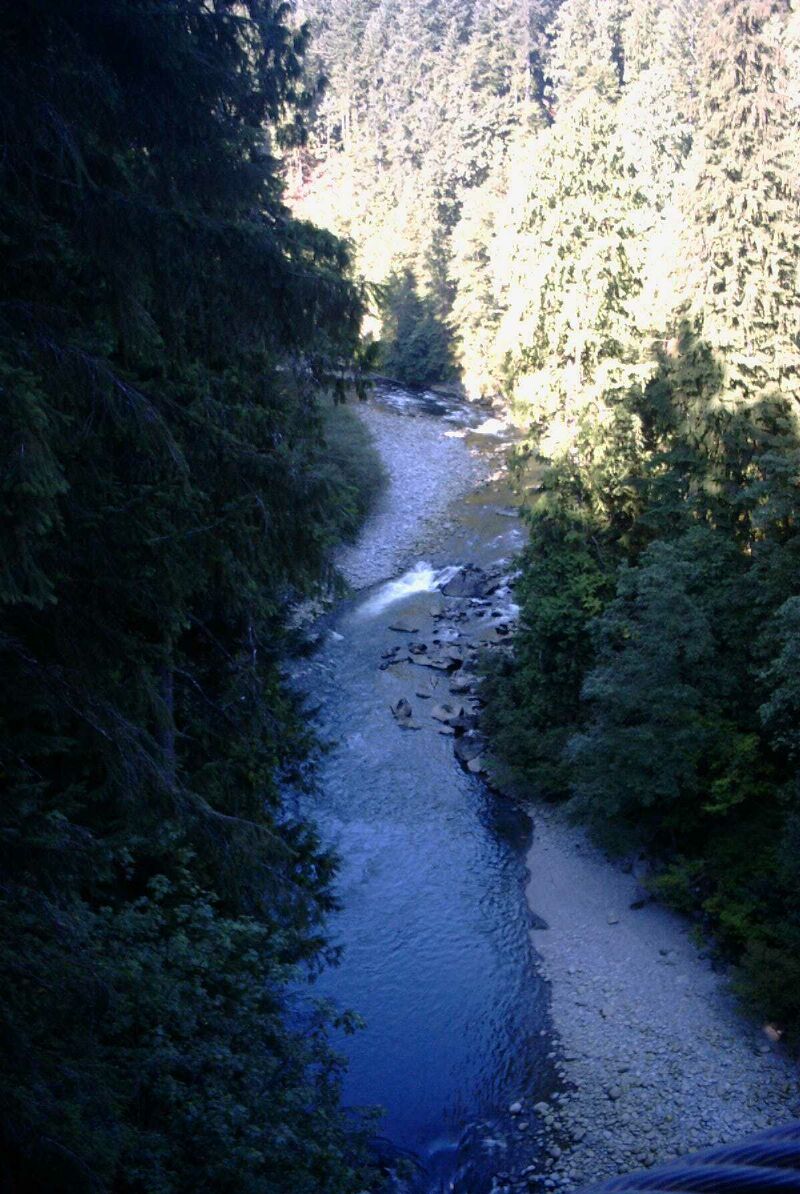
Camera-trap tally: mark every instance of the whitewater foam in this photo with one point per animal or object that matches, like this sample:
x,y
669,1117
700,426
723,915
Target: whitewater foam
x,y
422,578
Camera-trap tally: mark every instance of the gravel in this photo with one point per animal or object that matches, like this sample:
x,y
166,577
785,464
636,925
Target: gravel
x,y
657,1059
429,465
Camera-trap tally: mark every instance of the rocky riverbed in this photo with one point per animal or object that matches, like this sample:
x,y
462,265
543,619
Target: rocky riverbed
x,y
425,474
657,1058
654,1056
646,1055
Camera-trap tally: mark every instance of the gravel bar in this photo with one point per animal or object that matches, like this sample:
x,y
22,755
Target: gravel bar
x,y
429,465
657,1058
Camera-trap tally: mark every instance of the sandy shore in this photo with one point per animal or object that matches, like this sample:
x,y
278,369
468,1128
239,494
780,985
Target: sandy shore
x,y
657,1058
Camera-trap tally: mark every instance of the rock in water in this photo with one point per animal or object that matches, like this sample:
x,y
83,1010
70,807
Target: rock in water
x,y
469,581
462,682
469,747
402,710
447,713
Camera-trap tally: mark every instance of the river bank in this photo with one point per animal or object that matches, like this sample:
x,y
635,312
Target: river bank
x,y
426,474
658,1059
644,1054
433,923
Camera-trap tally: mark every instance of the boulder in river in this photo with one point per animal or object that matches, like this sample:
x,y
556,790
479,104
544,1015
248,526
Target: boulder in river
x,y
401,710
469,581
448,714
462,682
404,628
470,746
439,664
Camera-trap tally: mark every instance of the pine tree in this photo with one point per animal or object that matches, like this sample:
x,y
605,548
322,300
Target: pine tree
x,y
166,329
742,214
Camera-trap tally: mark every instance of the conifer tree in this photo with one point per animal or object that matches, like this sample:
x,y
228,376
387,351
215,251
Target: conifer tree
x,y
742,215
165,329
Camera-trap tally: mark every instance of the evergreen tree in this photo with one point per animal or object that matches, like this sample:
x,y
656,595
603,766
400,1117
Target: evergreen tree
x,y
743,212
166,495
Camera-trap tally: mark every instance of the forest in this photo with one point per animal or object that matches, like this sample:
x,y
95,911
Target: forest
x,y
589,210
172,483
214,218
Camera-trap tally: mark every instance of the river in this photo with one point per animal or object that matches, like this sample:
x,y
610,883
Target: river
x,y
434,926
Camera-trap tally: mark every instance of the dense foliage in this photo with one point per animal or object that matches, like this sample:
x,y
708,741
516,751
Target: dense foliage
x,y
424,102
651,682
166,493
599,200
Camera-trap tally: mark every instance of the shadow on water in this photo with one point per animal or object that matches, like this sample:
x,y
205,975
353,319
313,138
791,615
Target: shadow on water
x,y
435,930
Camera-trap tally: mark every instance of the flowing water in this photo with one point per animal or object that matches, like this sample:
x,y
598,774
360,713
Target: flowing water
x,y
435,930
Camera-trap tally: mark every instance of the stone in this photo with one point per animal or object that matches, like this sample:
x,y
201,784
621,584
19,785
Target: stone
x,y
404,628
395,659
468,747
515,1108
441,665
447,713
462,682
641,896
612,918
401,709
476,766
469,581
